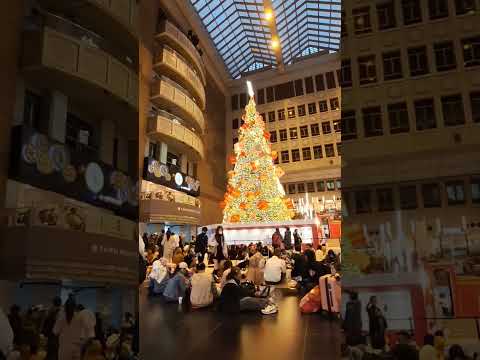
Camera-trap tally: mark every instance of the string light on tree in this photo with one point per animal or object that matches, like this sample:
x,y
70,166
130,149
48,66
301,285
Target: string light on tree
x,y
254,193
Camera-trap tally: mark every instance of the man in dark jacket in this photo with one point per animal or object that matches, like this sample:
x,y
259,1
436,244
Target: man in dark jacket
x,y
287,239
201,243
352,324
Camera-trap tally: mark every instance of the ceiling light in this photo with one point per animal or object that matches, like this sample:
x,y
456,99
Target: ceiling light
x,y
268,14
275,44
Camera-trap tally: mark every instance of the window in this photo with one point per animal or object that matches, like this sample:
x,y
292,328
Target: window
x,y
319,82
270,96
320,186
337,126
438,9
418,61
243,100
285,156
338,184
235,124
372,121
312,108
392,65
295,155
271,116
298,87
361,20
303,131
307,153
345,77
322,106
344,24
315,129
262,115
431,195
464,6
425,114
310,187
301,110
309,85
273,136
471,51
367,70
452,108
339,149
281,114
329,150
153,150
301,188
385,199
284,91
444,56
408,197
74,127
331,84
398,118
261,96
475,106
386,15
32,110
276,161
283,135
292,188
326,128
235,102
475,189
291,112
293,133
330,185
455,192
363,202
172,159
412,12
334,104
317,152
349,125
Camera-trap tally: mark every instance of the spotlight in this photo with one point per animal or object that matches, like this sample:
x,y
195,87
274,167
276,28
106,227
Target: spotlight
x,y
275,44
268,14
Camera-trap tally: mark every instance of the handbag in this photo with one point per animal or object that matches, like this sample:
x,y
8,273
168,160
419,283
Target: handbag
x,y
248,288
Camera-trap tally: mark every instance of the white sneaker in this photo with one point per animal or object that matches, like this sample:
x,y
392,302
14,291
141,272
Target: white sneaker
x,y
269,309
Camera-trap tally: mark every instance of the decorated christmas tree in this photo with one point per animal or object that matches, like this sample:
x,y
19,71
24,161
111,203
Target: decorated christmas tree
x,y
254,193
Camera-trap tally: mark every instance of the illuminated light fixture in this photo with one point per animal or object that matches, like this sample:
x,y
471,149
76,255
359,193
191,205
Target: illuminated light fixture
x,y
268,14
178,179
275,44
250,89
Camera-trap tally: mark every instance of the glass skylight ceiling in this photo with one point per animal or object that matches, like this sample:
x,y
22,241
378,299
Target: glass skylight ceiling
x,y
242,35
306,27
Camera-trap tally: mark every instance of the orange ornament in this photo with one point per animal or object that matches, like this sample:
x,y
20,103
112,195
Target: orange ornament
x,y
253,166
274,155
223,204
257,193
235,193
243,154
232,159
242,206
266,135
262,205
235,218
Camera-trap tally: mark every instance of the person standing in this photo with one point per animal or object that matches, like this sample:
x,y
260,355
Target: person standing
x,y
201,243
52,339
371,311
277,239
297,240
380,328
169,245
287,239
428,352
353,320
221,250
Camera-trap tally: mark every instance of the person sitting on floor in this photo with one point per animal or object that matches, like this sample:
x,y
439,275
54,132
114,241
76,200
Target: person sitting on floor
x,y
227,266
275,268
256,266
177,285
234,299
178,256
203,288
159,277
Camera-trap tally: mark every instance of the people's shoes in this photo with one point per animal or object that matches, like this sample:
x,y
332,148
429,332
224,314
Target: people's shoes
x,y
269,309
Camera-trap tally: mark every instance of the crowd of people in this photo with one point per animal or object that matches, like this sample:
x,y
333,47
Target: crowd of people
x,y
373,345
243,276
66,331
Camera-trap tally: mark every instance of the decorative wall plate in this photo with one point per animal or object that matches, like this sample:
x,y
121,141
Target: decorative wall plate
x,y
58,156
29,154
164,170
168,177
69,173
94,177
40,142
44,164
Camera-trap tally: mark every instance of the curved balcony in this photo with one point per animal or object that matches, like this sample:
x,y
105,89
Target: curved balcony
x,y
170,35
166,125
169,62
68,57
166,94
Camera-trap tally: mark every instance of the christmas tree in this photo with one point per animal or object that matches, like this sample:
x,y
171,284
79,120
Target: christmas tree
x,y
254,193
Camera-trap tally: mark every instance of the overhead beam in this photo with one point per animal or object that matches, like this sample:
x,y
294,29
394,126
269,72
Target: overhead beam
x,y
268,6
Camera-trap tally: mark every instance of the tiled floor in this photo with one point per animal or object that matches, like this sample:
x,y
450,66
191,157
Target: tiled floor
x,y
167,333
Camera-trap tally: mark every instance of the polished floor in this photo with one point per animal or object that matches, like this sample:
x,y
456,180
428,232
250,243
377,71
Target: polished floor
x,y
167,333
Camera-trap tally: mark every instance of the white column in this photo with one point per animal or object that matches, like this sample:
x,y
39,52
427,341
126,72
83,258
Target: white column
x,y
57,125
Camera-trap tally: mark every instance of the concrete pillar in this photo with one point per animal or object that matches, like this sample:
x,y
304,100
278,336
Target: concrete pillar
x,y
107,135
163,153
57,122
183,163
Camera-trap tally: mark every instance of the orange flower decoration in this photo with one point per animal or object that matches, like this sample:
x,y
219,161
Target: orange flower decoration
x,y
235,218
243,154
235,193
223,204
232,159
262,205
274,155
257,193
266,135
253,166
242,206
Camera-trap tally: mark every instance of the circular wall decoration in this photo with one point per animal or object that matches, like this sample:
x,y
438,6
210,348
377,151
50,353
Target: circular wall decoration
x,y
69,173
44,164
178,179
164,170
94,178
58,156
29,154
40,142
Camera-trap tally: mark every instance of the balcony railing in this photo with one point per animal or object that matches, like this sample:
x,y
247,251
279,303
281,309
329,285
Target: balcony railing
x,y
75,173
